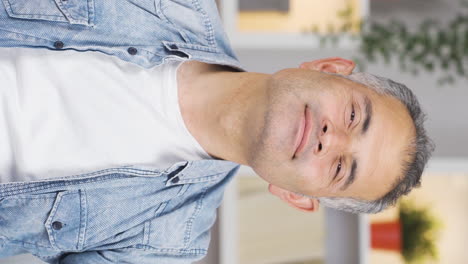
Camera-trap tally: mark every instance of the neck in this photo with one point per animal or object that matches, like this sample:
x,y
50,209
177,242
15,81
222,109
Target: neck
x,y
218,106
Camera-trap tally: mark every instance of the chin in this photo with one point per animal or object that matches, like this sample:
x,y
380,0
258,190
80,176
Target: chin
x,y
272,148
266,157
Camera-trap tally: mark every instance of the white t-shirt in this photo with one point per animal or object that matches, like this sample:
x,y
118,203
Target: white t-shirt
x,y
65,112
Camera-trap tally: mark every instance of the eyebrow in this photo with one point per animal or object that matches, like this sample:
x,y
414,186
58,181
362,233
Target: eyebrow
x,y
352,175
365,127
368,113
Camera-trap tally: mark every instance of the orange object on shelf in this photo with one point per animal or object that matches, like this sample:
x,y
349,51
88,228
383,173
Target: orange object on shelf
x,y
386,236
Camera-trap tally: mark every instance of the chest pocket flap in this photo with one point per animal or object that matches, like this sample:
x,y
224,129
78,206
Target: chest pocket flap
x,y
71,11
66,222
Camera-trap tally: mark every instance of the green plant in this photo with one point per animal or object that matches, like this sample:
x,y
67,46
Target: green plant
x,y
432,47
419,232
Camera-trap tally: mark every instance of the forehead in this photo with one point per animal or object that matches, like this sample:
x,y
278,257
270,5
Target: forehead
x,y
382,151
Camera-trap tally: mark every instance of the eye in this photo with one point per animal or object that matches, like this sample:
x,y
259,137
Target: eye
x,y
353,114
338,167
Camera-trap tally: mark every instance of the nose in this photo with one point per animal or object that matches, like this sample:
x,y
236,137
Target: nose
x,y
331,138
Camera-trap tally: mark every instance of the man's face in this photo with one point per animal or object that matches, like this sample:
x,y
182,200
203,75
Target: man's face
x,y
326,136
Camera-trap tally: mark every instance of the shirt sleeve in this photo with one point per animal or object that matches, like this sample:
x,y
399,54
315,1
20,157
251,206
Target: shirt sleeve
x,y
127,256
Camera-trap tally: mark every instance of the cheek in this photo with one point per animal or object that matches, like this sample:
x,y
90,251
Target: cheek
x,y
334,106
314,175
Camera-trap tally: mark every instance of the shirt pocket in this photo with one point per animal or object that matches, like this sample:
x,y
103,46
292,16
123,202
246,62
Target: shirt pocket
x,y
70,11
66,224
44,222
190,19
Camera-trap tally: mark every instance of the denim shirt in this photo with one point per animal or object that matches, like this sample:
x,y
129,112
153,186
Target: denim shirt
x,y
145,32
128,214
118,215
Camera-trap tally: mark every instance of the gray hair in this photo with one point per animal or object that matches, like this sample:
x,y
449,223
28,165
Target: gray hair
x,y
420,149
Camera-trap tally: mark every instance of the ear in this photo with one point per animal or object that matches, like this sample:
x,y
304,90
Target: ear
x,y
330,65
297,201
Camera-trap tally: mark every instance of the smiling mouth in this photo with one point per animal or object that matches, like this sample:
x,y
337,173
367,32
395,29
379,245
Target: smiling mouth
x,y
303,133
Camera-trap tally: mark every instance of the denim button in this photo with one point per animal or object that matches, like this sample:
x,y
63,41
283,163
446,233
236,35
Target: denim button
x,y
132,51
58,45
175,179
57,225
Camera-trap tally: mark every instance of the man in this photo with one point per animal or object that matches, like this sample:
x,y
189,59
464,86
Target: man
x,y
124,158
